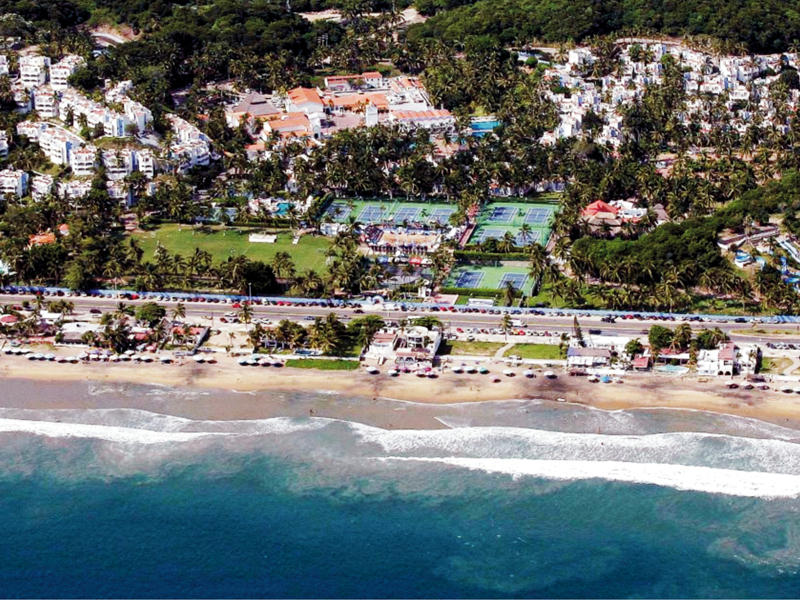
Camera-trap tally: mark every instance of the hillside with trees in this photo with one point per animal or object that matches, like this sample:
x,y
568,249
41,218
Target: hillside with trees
x,y
763,26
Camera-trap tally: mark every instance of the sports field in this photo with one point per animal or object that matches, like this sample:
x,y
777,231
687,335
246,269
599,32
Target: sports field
x,y
494,278
394,212
308,253
497,218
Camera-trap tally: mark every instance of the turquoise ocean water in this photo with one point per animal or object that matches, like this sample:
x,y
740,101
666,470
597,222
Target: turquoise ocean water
x,y
130,503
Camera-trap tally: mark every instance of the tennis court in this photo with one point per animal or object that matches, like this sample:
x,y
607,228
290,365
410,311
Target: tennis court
x,y
490,278
518,280
441,215
538,215
406,213
469,279
339,211
484,233
372,214
502,214
498,218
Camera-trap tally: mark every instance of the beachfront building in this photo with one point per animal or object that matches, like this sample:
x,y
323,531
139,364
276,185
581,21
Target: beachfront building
x,y
349,83
3,144
304,100
382,347
417,345
728,360
3,65
588,358
13,182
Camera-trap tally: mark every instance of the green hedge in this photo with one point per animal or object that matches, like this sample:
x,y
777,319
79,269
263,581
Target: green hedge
x,y
478,255
476,292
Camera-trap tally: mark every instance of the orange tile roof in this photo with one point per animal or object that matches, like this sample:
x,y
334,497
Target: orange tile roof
x,y
421,114
375,98
599,207
302,95
42,239
289,123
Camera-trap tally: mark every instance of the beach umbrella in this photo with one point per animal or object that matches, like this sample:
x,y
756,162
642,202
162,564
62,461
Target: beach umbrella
x,y
83,355
50,357
115,358
61,359
528,373
165,359
508,372
483,370
786,389
147,359
73,359
8,350
549,374
211,360
198,359
266,363
130,352
393,372
243,361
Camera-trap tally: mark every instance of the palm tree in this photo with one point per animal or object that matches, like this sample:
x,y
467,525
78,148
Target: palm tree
x,y
509,294
505,325
283,265
246,313
179,312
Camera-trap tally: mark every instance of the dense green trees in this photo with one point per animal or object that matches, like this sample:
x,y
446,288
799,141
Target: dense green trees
x,y
763,25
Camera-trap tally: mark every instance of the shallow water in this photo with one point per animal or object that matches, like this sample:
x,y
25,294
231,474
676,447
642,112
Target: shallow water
x,y
515,499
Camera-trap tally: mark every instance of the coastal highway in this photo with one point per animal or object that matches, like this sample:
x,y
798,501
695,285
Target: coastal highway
x,y
203,312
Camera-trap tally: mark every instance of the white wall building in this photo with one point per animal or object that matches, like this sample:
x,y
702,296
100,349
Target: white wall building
x,y
61,71
3,65
33,70
13,182
42,186
82,161
45,100
3,144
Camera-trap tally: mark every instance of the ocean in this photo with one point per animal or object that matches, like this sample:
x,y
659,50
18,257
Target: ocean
x,y
512,499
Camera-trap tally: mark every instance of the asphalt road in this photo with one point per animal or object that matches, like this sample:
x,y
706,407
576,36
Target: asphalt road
x,y
209,312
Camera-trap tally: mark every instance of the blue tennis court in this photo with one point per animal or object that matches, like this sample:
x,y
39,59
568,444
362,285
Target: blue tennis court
x,y
486,233
523,240
518,280
339,211
406,213
441,215
503,214
371,214
469,279
537,216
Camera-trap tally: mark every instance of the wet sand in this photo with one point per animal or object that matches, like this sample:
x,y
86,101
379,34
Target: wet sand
x,y
263,392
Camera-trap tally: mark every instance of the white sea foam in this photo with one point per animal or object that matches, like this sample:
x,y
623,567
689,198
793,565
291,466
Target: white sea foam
x,y
132,426
749,484
124,435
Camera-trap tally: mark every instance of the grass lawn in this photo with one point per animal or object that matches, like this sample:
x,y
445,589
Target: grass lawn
x,y
774,365
322,364
223,242
537,351
456,348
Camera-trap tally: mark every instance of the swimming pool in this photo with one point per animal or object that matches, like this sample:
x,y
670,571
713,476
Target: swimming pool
x,y
672,369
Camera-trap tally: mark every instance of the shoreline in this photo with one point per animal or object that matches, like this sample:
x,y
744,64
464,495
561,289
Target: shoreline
x,y
259,392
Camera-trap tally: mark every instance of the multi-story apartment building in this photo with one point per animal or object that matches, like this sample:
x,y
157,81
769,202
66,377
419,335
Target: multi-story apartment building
x,y
3,144
3,64
82,160
45,99
42,186
58,144
33,70
13,182
61,71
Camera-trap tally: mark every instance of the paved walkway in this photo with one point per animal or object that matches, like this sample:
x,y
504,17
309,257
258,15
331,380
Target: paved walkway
x,y
793,367
499,354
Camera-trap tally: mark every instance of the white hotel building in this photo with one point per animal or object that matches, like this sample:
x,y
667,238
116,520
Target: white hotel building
x,y
13,182
61,71
33,70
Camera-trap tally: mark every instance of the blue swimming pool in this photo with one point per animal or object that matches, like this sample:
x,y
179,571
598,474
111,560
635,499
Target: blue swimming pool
x,y
672,369
283,208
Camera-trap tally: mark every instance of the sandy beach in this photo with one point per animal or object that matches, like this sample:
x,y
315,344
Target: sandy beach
x,y
250,391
